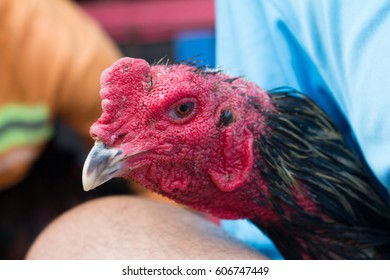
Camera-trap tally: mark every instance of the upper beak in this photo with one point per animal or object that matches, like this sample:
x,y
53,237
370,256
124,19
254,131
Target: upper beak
x,y
101,165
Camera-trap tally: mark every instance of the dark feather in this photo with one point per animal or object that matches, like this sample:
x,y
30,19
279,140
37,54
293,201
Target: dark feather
x,y
305,153
225,118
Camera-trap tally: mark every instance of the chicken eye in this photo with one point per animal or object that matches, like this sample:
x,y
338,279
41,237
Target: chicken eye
x,y
185,109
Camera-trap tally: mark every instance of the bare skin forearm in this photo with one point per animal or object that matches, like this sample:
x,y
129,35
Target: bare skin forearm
x,y
125,227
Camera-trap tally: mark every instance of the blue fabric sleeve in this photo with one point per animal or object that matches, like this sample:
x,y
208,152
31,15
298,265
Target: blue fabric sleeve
x,y
337,52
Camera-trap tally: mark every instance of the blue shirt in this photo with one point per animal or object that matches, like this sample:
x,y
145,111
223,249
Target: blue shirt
x,y
336,52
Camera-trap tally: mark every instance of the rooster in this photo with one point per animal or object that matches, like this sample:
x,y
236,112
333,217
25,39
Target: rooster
x,y
224,146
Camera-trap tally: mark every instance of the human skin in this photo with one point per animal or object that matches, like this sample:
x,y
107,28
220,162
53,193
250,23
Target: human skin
x,y
127,227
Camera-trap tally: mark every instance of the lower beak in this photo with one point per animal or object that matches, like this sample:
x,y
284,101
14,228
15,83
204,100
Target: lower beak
x,y
101,165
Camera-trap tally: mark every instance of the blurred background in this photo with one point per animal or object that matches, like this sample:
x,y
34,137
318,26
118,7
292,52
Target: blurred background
x,y
178,30
152,29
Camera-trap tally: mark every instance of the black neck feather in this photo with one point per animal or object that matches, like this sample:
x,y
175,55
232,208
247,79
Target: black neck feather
x,y
305,153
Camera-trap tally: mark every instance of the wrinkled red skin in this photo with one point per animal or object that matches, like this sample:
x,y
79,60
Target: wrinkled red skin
x,y
193,160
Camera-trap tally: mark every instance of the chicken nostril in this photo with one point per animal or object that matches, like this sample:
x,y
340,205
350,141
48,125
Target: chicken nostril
x,y
120,138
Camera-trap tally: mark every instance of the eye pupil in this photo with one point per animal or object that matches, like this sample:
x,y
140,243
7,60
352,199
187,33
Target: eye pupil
x,y
184,109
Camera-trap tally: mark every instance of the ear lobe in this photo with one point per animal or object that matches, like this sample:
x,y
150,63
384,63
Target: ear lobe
x,y
238,160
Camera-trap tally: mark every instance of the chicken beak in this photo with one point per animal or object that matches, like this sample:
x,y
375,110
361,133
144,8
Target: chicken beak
x,y
101,165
